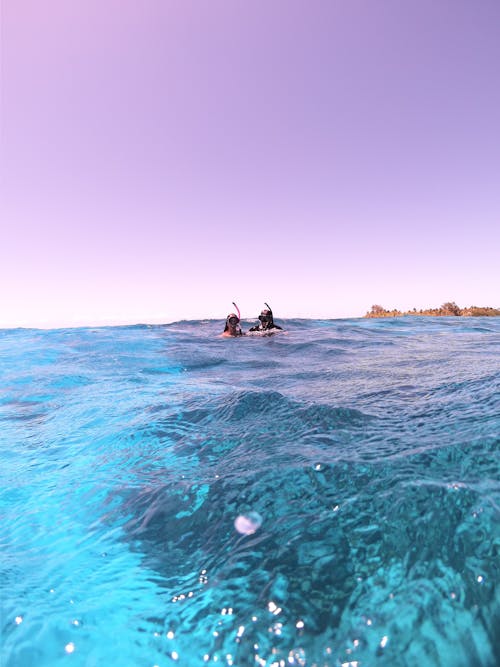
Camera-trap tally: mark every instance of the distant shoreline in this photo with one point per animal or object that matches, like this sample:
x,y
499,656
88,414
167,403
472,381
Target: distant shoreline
x,y
449,309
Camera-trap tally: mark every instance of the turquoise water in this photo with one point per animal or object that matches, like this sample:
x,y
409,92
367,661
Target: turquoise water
x,y
369,448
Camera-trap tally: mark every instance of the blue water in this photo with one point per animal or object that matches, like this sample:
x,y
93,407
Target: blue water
x,y
370,448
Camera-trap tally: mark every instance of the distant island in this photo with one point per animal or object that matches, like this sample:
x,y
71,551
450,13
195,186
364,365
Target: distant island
x,y
446,310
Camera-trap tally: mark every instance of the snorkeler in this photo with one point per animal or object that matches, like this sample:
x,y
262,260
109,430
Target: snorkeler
x,y
233,327
266,321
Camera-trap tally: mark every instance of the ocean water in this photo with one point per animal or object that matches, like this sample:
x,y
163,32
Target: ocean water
x,y
368,448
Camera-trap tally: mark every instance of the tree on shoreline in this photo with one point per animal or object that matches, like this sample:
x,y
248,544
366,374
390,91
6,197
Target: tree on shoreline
x,y
450,308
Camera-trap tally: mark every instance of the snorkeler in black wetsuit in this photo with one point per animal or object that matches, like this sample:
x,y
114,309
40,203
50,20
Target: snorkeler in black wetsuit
x,y
266,321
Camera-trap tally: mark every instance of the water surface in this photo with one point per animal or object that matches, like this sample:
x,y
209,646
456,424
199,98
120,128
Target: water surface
x,y
369,448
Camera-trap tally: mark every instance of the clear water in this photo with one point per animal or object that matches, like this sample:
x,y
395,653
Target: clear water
x,y
370,448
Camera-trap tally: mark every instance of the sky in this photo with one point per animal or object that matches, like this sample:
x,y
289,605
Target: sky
x,y
161,159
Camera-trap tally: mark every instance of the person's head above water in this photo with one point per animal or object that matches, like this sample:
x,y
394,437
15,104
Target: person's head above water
x,y
266,320
232,327
266,316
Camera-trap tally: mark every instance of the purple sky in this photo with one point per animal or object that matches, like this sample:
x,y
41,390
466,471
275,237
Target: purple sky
x,y
161,159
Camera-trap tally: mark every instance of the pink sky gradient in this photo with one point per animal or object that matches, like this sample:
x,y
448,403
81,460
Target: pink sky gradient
x,y
161,159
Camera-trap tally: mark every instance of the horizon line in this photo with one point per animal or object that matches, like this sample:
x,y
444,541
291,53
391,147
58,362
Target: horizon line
x,y
102,325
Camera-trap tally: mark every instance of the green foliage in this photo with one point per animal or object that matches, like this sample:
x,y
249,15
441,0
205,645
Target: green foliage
x,y
486,311
448,309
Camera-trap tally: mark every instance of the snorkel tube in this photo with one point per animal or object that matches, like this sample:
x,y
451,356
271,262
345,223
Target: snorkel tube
x,y
270,310
237,310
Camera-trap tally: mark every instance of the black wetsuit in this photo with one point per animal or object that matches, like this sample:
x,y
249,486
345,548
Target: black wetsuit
x,y
269,326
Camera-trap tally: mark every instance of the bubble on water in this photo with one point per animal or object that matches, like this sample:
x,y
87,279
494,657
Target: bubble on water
x,y
297,656
248,523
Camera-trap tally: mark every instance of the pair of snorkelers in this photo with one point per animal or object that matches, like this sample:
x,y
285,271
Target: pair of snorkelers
x,y
266,323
